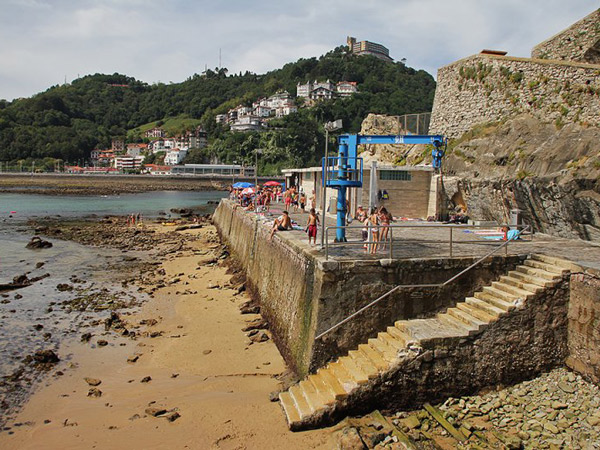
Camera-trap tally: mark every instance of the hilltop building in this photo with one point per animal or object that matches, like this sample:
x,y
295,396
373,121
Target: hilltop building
x,y
254,118
326,90
368,48
155,132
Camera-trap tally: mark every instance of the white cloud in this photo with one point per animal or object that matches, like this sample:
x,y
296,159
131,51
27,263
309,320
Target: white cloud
x,y
44,40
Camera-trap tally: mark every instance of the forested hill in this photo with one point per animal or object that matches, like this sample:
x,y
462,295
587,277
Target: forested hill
x,y
68,121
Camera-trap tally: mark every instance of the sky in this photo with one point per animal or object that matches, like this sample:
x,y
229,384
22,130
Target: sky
x,y
45,42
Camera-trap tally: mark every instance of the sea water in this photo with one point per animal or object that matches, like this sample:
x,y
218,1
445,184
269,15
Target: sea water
x,y
150,204
24,310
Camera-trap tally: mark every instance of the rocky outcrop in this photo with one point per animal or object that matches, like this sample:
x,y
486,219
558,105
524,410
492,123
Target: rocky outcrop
x,y
37,242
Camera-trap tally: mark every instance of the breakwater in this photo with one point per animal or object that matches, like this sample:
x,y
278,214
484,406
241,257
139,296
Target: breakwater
x,y
301,294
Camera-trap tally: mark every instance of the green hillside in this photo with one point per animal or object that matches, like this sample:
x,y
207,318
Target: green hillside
x,y
67,122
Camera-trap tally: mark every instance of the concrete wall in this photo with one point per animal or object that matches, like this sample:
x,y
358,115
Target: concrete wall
x,y
584,324
576,43
407,198
302,295
486,88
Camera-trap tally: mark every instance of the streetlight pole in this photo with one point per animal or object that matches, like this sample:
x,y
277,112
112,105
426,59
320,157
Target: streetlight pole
x,y
329,126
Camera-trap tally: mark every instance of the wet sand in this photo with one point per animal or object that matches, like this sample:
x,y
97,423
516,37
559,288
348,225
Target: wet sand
x,y
201,365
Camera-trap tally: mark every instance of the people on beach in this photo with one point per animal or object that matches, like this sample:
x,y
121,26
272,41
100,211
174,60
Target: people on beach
x,y
312,226
282,223
313,200
302,201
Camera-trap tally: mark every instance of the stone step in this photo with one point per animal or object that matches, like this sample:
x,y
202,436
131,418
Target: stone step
x,y
552,268
564,263
386,352
312,396
391,341
532,279
465,317
333,382
430,330
345,380
300,402
550,276
503,295
468,329
476,312
323,388
417,329
364,363
496,301
485,306
354,369
289,407
521,283
512,289
400,335
374,357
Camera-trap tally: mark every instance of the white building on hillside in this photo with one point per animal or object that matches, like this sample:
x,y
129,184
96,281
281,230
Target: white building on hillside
x,y
175,156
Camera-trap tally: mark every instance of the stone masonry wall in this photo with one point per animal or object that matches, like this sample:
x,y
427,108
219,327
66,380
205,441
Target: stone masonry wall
x,y
280,275
302,295
349,286
576,43
518,346
488,88
584,325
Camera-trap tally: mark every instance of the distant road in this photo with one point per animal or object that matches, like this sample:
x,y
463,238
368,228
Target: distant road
x,y
102,184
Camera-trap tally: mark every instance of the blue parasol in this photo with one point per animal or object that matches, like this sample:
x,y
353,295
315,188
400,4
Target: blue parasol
x,y
242,184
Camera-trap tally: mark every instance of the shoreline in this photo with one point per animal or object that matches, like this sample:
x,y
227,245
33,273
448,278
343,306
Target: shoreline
x,y
212,378
89,185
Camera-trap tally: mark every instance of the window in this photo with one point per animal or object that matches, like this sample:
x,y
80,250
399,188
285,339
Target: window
x,y
399,175
308,175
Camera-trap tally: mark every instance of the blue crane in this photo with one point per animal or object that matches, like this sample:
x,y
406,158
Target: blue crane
x,y
346,169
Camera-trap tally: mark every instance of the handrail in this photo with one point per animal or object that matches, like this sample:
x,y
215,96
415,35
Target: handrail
x,y
450,280
391,227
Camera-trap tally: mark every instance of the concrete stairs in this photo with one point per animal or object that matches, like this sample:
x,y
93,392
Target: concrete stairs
x,y
331,390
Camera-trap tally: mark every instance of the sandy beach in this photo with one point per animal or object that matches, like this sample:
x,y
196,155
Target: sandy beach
x,y
190,359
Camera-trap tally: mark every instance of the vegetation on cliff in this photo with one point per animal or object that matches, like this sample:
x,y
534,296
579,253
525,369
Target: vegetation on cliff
x,y
68,121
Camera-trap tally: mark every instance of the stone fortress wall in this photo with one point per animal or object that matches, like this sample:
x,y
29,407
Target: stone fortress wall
x,y
487,88
580,42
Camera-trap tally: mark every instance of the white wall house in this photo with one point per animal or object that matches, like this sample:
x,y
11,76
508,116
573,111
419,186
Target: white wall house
x,y
175,156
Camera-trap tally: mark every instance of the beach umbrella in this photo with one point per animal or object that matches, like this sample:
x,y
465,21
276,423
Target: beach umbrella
x,y
248,191
242,184
272,183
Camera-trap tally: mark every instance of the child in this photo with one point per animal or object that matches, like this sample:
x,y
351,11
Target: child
x,y
311,226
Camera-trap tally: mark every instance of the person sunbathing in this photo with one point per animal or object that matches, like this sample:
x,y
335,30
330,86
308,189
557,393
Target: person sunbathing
x,y
282,223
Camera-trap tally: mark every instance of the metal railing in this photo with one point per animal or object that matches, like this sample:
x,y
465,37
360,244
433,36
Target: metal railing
x,y
388,242
411,286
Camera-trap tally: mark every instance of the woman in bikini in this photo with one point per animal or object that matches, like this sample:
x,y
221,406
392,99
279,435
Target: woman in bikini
x,y
373,223
384,220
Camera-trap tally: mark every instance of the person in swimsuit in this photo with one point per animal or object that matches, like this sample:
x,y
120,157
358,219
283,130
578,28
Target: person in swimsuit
x,y
282,223
287,198
384,220
312,225
373,222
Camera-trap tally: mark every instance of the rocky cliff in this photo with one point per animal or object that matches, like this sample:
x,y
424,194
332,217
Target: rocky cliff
x,y
551,174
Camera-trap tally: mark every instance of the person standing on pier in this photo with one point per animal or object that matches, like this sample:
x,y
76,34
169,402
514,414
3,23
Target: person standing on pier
x,y
312,226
